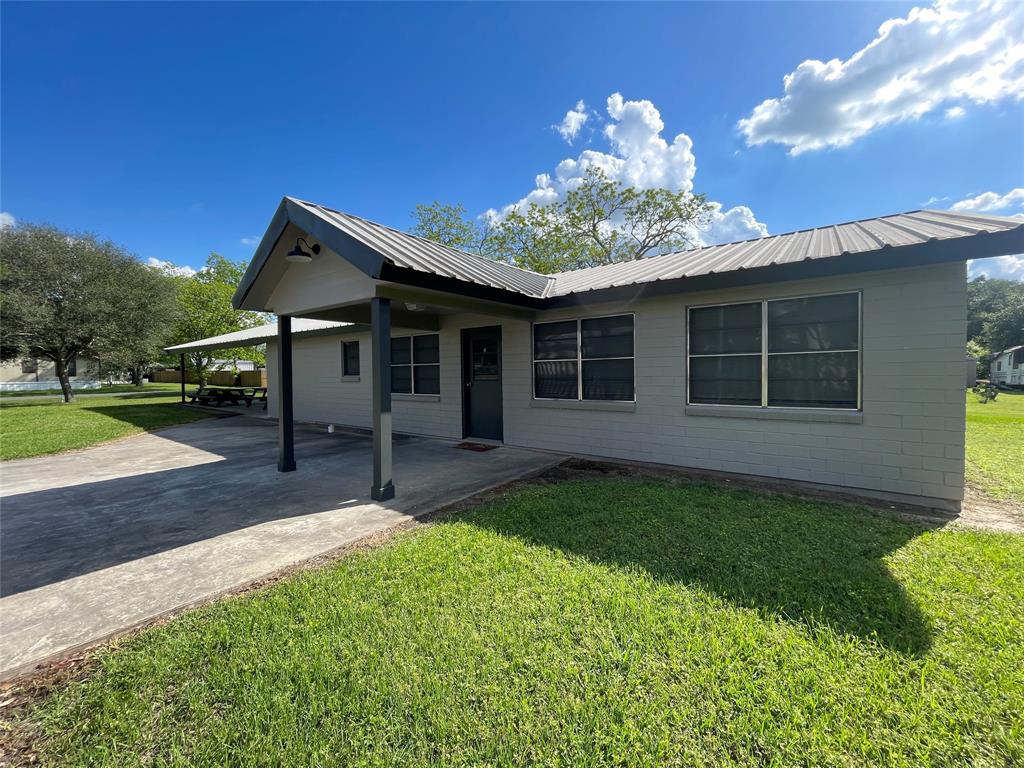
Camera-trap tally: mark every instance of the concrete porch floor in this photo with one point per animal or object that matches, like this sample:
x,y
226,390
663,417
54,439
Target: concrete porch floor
x,y
96,542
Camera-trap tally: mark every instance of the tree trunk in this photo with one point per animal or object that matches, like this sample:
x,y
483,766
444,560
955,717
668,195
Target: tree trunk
x,y
136,375
65,381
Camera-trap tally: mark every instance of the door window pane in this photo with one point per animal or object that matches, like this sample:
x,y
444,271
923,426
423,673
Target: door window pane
x,y
731,329
555,341
608,379
425,349
827,380
726,380
427,379
556,380
607,337
484,359
819,323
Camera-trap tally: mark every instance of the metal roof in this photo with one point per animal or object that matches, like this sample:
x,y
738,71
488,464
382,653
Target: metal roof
x,y
252,336
412,252
866,235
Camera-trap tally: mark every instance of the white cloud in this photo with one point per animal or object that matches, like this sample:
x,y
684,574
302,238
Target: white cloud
x,y
954,113
933,200
573,121
170,268
253,240
954,50
641,157
1004,267
6,220
991,202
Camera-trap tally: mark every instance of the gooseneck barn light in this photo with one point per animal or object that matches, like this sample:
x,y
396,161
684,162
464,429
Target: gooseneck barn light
x,y
300,256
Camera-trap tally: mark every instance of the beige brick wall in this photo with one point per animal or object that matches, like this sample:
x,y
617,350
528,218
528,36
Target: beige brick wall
x,y
910,440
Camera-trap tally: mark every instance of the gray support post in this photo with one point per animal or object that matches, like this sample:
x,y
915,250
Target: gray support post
x,y
380,321
285,420
182,378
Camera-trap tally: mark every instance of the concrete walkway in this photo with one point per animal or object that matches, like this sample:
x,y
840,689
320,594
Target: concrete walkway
x,y
102,540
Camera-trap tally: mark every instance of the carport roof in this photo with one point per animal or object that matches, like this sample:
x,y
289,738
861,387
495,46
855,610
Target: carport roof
x,y
258,335
887,242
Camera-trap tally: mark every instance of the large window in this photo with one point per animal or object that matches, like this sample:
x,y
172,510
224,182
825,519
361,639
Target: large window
x,y
350,358
588,359
792,353
416,365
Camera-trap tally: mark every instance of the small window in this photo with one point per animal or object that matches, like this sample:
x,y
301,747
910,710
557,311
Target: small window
x,y
29,365
350,358
589,359
792,353
416,364
73,366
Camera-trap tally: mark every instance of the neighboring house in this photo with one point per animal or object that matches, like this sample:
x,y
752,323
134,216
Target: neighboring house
x,y
30,373
832,356
1007,367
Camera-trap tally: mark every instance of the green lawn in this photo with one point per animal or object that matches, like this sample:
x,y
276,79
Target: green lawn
x,y
995,445
37,427
106,389
601,622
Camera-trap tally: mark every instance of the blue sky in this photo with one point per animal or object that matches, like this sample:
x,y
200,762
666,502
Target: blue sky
x,y
174,129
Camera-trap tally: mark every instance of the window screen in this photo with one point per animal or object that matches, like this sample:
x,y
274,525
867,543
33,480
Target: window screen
x,y
416,364
589,359
812,346
350,358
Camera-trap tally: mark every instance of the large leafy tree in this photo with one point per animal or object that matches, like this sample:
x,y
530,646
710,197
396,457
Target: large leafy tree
x,y
65,294
995,313
204,310
599,221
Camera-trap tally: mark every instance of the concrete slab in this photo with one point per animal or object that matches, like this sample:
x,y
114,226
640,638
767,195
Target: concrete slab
x,y
99,541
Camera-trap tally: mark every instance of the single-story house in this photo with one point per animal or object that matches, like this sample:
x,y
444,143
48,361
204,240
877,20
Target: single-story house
x,y
1007,367
32,374
831,356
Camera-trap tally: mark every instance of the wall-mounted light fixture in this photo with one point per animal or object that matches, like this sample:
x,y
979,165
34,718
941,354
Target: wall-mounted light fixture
x,y
300,256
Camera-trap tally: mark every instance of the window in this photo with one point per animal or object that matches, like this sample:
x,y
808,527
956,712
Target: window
x,y
29,365
73,366
791,353
588,359
416,365
350,358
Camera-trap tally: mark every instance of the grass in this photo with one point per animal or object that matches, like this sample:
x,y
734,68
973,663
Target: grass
x,y
601,622
995,446
38,427
106,389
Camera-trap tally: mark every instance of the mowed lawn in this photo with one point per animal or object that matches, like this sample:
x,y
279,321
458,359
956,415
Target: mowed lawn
x,y
37,427
591,622
106,389
995,445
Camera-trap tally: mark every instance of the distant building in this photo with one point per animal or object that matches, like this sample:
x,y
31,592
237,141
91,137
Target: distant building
x,y
31,373
1007,368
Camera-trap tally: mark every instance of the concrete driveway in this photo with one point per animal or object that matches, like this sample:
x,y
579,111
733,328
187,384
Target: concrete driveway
x,y
102,540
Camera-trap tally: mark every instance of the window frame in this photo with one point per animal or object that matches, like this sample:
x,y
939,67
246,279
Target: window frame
x,y
765,354
578,359
345,373
412,364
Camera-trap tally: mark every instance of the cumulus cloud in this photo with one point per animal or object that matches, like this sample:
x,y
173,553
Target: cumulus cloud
x,y
250,241
573,121
169,267
639,156
955,50
954,113
991,202
6,220
1002,267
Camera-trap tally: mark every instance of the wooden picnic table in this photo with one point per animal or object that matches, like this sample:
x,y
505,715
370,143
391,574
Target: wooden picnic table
x,y
229,395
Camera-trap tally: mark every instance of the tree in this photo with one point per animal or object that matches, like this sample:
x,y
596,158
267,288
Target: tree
x,y
600,221
67,294
204,309
995,313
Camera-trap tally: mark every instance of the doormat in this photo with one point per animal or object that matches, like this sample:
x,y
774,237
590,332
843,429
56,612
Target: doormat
x,y
478,447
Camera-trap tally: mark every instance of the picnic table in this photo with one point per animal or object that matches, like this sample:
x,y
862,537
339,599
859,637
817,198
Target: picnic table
x,y
229,396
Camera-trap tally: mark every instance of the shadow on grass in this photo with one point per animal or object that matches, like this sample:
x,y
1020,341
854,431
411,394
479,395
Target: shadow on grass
x,y
807,562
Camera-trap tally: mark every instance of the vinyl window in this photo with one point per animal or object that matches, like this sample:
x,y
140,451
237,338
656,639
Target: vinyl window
x,y
350,358
586,359
416,364
799,352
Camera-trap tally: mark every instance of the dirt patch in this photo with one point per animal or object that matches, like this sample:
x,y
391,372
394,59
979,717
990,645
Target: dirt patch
x,y
984,512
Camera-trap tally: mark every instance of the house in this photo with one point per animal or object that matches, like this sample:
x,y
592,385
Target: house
x,y
830,356
30,373
1007,367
